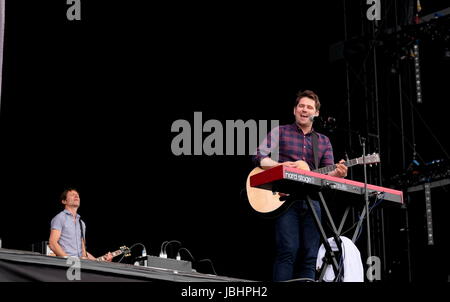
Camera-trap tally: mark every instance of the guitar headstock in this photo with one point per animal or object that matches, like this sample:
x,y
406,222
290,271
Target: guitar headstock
x,y
369,159
125,251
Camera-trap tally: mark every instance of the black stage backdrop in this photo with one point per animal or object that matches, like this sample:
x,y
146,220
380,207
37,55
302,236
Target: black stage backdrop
x,y
90,104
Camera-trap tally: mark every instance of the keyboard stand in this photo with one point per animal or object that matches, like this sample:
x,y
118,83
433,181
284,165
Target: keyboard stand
x,y
331,258
296,182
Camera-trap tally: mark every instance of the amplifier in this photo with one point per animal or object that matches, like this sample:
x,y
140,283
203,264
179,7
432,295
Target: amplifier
x,y
169,263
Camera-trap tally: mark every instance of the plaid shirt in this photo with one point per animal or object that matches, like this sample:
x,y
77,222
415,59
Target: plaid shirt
x,y
294,145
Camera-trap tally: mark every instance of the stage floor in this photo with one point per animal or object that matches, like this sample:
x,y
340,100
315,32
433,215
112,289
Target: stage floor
x,y
16,265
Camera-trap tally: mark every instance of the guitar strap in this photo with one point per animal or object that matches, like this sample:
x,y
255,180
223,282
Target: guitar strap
x,y
315,143
82,234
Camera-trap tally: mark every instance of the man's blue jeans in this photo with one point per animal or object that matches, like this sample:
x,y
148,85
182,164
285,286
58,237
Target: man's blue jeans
x,y
297,242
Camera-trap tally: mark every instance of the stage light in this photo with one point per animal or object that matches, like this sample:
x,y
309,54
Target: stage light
x,y
416,56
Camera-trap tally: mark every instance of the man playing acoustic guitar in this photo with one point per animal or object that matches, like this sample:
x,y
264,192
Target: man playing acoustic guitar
x,y
297,237
67,234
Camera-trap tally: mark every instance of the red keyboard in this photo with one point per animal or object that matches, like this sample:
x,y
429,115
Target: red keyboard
x,y
281,175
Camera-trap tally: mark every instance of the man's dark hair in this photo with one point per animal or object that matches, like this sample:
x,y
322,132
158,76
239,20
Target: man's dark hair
x,y
64,194
308,94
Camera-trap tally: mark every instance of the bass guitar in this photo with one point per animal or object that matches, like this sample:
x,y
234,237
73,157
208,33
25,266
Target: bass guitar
x,y
123,250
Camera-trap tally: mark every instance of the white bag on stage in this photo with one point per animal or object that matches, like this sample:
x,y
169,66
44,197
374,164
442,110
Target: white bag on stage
x,y
351,261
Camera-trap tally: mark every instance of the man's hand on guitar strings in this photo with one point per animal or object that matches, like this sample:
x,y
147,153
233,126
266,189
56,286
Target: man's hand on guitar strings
x,y
341,169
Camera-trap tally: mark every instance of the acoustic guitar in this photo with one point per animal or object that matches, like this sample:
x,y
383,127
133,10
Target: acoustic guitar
x,y
272,203
123,250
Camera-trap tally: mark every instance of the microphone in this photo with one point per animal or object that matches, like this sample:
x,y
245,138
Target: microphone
x,y
326,123
313,118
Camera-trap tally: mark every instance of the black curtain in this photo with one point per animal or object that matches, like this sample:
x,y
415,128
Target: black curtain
x,y
2,26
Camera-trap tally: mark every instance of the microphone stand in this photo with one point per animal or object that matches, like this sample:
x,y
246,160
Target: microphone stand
x,y
366,199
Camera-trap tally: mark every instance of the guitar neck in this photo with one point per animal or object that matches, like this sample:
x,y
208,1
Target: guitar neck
x,y
114,254
330,168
